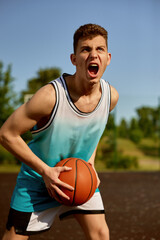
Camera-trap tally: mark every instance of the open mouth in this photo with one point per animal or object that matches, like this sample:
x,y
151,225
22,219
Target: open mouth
x,y
93,68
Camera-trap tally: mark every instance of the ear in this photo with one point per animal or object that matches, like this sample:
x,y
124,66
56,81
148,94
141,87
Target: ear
x,y
73,59
109,58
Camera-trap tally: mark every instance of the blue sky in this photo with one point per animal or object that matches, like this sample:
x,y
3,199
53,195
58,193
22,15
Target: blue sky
x,y
37,34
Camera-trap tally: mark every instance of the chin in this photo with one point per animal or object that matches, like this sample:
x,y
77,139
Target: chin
x,y
94,81
95,78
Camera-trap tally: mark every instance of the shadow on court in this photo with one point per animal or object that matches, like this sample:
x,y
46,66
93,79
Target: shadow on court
x,y
132,204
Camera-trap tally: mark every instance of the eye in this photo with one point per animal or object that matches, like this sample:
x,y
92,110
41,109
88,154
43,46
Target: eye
x,y
86,49
100,49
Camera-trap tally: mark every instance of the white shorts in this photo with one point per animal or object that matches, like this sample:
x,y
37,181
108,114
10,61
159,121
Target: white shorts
x,y
28,223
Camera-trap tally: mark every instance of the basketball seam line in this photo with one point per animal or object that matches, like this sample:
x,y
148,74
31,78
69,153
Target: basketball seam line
x,y
91,180
75,183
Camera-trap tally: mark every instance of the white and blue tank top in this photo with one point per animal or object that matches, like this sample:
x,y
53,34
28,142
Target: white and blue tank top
x,y
68,133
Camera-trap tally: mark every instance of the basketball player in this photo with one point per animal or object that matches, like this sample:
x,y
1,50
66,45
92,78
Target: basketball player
x,y
67,118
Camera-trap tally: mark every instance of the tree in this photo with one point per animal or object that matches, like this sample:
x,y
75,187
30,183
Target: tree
x,y
146,120
135,133
7,95
44,76
123,129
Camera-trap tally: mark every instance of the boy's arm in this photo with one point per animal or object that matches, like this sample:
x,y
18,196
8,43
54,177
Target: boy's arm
x,y
22,120
92,161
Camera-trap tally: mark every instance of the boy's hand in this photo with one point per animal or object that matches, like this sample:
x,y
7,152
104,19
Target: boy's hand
x,y
53,183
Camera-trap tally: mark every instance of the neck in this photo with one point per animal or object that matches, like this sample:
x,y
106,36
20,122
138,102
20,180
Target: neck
x,y
80,87
84,96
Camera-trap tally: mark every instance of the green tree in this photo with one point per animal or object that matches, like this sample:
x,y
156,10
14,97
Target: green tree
x,y
156,121
7,95
135,133
146,120
43,77
123,129
111,122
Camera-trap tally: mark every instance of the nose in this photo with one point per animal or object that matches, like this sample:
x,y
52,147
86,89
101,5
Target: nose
x,y
93,54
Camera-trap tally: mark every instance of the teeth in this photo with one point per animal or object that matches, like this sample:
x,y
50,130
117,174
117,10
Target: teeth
x,y
93,68
93,65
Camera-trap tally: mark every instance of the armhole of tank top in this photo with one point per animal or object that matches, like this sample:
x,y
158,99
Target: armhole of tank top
x,y
54,111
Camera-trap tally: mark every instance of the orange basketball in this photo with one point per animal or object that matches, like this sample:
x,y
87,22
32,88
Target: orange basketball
x,y
82,177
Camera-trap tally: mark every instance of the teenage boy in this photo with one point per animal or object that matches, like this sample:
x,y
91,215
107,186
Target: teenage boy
x,y
67,118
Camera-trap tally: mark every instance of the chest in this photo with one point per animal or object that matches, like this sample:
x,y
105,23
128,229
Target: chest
x,y
86,105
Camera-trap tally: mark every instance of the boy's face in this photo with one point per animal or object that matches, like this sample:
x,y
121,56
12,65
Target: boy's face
x,y
91,58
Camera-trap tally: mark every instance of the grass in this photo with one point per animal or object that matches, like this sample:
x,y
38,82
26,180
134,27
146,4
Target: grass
x,y
9,168
146,162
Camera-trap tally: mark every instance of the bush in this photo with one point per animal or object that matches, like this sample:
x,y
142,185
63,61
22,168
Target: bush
x,y
136,135
122,162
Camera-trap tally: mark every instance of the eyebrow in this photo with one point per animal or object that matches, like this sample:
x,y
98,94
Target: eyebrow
x,y
86,46
102,46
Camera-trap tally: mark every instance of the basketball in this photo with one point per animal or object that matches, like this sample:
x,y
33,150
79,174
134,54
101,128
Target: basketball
x,y
82,178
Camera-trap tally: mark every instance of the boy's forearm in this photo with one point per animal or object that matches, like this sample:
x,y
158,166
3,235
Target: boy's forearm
x,y
17,147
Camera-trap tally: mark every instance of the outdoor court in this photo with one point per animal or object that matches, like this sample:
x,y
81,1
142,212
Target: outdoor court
x,y
132,204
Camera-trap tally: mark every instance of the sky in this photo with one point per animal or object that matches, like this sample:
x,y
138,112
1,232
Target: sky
x,y
38,34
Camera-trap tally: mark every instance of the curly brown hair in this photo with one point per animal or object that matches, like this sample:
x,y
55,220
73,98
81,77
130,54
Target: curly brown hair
x,y
89,31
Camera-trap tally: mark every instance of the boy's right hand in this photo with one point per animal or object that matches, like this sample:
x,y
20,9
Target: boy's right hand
x,y
53,183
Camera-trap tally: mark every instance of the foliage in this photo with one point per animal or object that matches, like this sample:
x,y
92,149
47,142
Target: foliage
x,y
148,120
150,146
43,77
135,133
122,162
108,151
109,154
145,125
110,125
123,129
7,95
111,122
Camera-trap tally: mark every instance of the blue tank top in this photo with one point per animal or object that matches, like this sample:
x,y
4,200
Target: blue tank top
x,y
68,133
